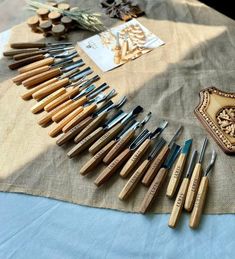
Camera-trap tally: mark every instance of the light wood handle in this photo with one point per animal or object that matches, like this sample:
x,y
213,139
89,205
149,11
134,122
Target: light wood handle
x,y
58,128
91,127
199,203
40,105
134,180
179,204
108,136
29,54
74,131
21,77
96,159
37,64
112,167
28,95
24,45
64,112
25,62
153,189
37,79
155,166
48,116
13,52
135,158
119,147
87,111
85,143
176,176
117,55
50,89
193,187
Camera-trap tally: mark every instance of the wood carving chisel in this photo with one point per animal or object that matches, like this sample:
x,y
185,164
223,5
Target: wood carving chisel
x,y
178,169
201,195
159,178
24,45
195,180
181,195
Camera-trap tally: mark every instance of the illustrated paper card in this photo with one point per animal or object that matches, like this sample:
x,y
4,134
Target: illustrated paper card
x,y
120,44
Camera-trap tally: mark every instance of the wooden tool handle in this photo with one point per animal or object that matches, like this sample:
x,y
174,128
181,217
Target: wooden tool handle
x,y
58,128
108,136
48,116
13,52
73,132
25,61
119,147
50,89
87,111
37,64
176,176
37,79
117,55
91,127
199,203
85,143
179,204
96,159
155,166
112,167
24,45
193,187
28,95
29,54
135,158
134,180
64,112
40,105
21,77
153,189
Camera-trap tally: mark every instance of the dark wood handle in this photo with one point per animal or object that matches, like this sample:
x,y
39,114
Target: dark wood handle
x,y
29,54
37,64
24,45
25,61
13,52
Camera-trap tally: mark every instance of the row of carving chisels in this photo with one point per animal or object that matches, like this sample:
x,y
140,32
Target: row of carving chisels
x,y
56,77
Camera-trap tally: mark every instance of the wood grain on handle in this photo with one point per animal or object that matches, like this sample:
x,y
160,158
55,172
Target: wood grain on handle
x,y
108,136
28,95
21,77
153,190
40,105
37,79
48,116
134,180
72,106
155,166
87,111
85,143
25,61
29,54
37,64
73,132
119,147
176,176
58,128
50,89
178,204
12,52
96,159
193,187
25,45
112,167
199,203
91,127
135,158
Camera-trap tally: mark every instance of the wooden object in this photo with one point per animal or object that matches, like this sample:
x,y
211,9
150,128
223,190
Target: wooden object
x,y
46,27
54,17
43,13
25,61
59,31
25,45
33,23
216,112
29,54
13,52
67,22
37,64
64,6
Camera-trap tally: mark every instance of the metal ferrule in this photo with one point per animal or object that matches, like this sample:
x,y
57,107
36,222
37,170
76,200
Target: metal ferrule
x,y
139,139
104,108
156,148
191,164
114,120
126,130
81,74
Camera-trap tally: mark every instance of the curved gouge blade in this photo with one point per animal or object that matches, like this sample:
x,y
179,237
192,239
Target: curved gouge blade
x,y
21,77
37,64
96,159
28,95
73,132
85,143
134,180
112,167
25,61
37,79
58,128
40,105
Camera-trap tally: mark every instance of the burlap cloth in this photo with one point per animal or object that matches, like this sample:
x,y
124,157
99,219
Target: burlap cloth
x,y
199,52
